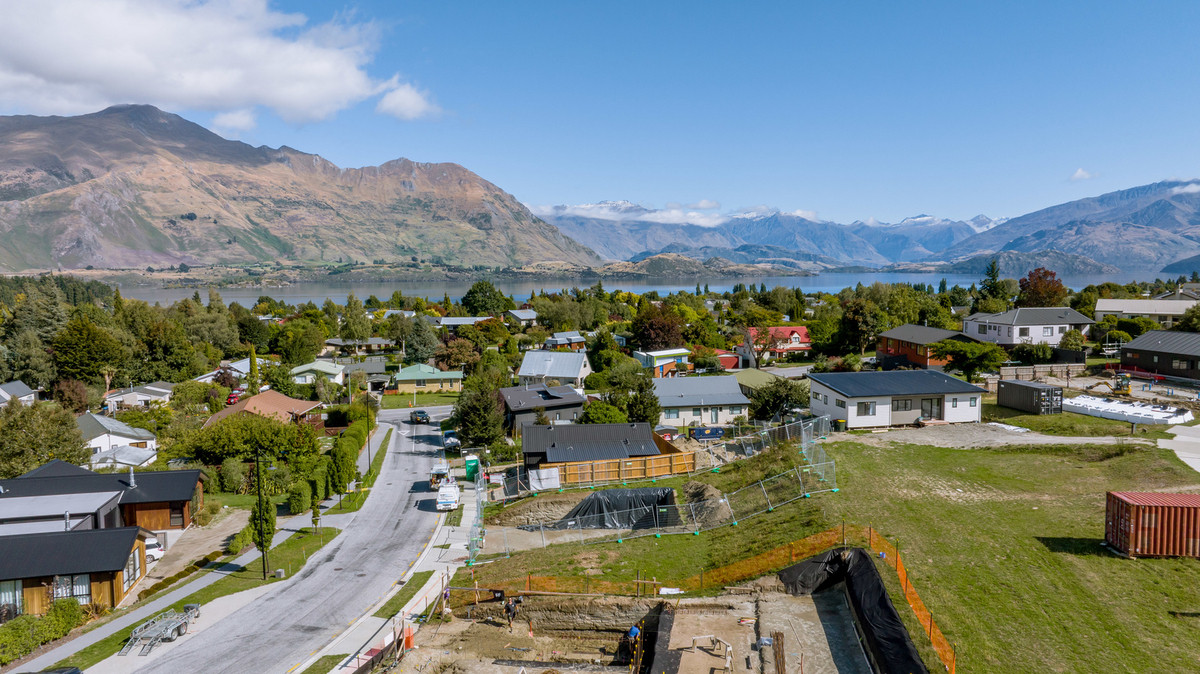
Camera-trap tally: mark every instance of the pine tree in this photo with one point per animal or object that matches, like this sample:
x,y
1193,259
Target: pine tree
x,y
253,381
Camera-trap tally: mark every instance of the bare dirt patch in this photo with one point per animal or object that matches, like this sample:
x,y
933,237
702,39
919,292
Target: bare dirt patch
x,y
541,508
973,436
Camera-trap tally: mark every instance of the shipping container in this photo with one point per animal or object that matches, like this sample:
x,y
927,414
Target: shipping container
x,y
1141,524
1030,396
706,432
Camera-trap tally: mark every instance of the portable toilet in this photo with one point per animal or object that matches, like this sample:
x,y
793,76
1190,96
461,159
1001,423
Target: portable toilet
x,y
471,462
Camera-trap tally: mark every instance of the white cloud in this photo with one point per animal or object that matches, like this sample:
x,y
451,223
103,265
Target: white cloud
x,y
1190,188
1081,174
624,211
705,205
234,121
224,56
801,213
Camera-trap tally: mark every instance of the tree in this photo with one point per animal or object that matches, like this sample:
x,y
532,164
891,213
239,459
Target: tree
x,y
1072,340
299,341
969,357
30,362
777,397
356,327
398,329
860,324
85,351
262,518
479,416
759,339
422,343
31,435
483,299
992,287
643,405
1041,288
72,394
600,412
1190,320
459,353
1033,354
540,418
657,327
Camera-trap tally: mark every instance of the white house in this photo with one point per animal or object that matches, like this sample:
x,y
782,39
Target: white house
x,y
665,362
1031,325
140,396
569,368
525,317
123,457
1165,312
309,372
240,369
894,397
103,434
18,390
784,340
700,401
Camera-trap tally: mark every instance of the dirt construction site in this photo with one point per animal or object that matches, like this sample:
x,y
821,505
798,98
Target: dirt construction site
x,y
758,628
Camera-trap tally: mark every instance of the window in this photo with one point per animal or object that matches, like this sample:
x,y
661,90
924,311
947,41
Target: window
x,y
902,405
671,414
1179,364
954,402
1062,329
695,411
10,599
177,514
974,400
735,409
1010,332
141,445
982,329
133,569
866,409
840,403
420,383
1048,331
824,398
1155,359
77,587
1022,332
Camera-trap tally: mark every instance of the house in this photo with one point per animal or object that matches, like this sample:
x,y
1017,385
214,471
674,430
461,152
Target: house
x,y
422,378
272,404
375,371
1030,325
526,317
103,434
700,401
155,500
542,367
1188,292
370,344
1169,353
388,313
728,359
96,566
665,362
566,340
751,379
908,346
1164,312
144,396
784,340
560,404
240,369
894,398
17,390
453,323
319,369
544,446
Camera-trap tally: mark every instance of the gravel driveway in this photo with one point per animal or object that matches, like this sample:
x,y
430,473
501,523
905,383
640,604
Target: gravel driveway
x,y
970,436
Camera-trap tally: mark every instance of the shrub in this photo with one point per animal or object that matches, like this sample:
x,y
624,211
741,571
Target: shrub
x,y
318,482
240,541
299,498
206,514
233,475
21,635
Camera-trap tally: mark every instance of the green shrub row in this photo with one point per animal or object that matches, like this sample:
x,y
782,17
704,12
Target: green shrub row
x,y
299,497
240,541
22,635
187,571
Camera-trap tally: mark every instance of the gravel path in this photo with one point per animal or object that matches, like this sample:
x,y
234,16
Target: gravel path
x,y
970,436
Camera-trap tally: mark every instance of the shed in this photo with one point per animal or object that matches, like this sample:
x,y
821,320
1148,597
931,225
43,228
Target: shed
x,y
1150,524
1030,396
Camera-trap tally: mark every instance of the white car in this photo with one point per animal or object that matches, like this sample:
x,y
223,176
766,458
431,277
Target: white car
x,y
154,551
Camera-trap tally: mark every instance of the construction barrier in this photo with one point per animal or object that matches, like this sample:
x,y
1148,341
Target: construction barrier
x,y
618,470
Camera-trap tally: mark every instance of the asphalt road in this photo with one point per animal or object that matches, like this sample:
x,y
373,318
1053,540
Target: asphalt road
x,y
284,626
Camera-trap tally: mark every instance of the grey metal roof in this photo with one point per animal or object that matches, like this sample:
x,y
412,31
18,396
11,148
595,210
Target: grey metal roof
x,y
1033,316
22,507
893,383
156,486
561,443
66,552
15,389
123,456
447,321
523,398
370,367
552,364
1166,341
565,338
370,341
920,334
94,425
699,391
523,314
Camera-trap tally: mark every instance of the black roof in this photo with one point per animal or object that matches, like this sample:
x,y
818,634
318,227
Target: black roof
x,y
893,383
57,477
922,334
522,398
1166,341
65,552
559,443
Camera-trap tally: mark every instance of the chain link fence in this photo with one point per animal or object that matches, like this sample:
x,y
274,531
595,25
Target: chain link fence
x,y
477,531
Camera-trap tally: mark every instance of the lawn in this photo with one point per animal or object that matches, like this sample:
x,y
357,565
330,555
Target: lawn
x,y
1068,423
289,555
325,663
1004,547
398,600
246,501
399,400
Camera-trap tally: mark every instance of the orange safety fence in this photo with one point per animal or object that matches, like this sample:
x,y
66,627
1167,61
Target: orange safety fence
x,y
891,556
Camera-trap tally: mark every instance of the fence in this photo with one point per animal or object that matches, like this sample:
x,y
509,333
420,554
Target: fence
x,y
942,645
1034,372
476,532
620,470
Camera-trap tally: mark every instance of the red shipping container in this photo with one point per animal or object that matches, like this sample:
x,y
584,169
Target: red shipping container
x,y
1148,524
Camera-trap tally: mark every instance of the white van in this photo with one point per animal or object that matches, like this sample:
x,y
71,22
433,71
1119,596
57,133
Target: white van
x,y
447,496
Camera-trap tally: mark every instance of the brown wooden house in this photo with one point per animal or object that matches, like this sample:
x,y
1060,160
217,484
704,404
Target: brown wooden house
x,y
908,346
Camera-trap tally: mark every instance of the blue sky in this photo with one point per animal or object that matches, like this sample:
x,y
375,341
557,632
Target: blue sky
x,y
871,110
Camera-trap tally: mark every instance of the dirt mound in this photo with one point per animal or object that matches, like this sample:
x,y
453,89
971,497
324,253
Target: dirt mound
x,y
542,508
705,501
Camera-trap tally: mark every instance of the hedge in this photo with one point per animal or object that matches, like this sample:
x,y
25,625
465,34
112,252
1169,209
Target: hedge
x,y
240,541
187,571
22,635
299,497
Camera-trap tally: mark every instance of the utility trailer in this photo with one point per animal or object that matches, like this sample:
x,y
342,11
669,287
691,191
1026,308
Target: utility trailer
x,y
164,627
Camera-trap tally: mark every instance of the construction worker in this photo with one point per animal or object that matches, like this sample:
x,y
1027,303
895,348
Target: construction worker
x,y
510,612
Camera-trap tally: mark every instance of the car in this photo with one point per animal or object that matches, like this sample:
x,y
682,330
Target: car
x,y
450,439
419,417
154,551
232,398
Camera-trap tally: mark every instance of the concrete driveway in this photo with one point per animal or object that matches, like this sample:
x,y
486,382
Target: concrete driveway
x,y
279,630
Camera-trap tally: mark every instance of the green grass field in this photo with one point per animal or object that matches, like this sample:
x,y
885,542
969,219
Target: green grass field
x,y
1068,424
410,589
402,400
325,664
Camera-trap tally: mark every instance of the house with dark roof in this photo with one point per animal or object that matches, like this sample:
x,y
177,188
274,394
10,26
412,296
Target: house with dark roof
x,y
908,346
1029,325
1164,352
17,390
94,566
103,434
566,340
139,396
568,443
894,398
154,500
368,345
700,401
561,404
539,367
375,371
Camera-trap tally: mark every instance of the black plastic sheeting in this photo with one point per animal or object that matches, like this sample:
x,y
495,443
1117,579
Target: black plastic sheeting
x,y
657,655
886,639
644,508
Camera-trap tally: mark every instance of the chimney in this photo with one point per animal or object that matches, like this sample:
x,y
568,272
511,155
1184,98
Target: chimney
x,y
132,479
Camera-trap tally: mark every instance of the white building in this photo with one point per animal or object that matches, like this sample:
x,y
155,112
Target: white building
x,y
103,434
140,396
665,362
309,372
894,397
568,368
1165,312
1032,325
17,390
700,401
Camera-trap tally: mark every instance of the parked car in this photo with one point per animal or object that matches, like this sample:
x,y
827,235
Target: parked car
x,y
232,398
450,439
419,417
154,550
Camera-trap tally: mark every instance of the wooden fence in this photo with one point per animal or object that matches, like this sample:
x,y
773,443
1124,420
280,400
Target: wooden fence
x,y
1034,372
617,470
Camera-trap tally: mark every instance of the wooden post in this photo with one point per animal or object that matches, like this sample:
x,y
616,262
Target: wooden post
x,y
476,592
702,579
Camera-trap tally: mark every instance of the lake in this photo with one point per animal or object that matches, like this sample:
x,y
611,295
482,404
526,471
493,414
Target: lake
x,y
522,289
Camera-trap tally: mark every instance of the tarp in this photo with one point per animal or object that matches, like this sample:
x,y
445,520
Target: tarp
x,y
623,509
884,634
546,478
